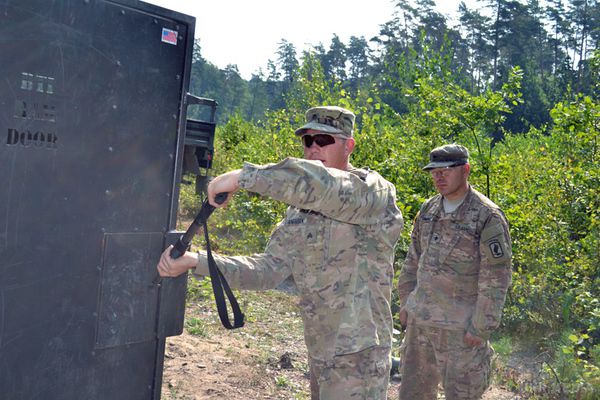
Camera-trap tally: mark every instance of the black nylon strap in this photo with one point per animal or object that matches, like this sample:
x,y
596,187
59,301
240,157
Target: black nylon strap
x,y
219,284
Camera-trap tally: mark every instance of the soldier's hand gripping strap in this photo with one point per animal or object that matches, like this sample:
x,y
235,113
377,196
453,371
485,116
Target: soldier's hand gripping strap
x,y
218,281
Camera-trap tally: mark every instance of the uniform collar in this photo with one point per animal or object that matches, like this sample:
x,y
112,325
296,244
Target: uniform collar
x,y
437,208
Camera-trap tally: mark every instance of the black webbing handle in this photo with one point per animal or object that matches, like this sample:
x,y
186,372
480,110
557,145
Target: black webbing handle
x,y
219,284
218,281
205,211
183,243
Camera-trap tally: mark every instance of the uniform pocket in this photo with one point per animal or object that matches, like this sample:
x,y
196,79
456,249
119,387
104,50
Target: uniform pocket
x,y
463,257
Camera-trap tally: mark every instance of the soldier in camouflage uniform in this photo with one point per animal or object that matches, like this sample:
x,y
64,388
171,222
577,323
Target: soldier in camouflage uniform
x,y
337,242
453,285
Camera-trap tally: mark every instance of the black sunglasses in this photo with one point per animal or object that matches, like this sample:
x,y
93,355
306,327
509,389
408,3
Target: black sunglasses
x,y
320,140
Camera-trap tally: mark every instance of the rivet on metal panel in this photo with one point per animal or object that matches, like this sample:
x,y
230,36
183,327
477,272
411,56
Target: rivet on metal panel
x,y
107,192
114,106
118,63
122,12
174,116
110,148
155,21
178,77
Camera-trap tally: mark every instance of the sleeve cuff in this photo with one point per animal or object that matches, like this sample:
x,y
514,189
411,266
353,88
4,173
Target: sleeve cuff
x,y
483,335
201,268
248,175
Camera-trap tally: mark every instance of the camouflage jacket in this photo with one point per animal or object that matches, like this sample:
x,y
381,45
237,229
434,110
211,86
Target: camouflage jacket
x,y
458,267
337,242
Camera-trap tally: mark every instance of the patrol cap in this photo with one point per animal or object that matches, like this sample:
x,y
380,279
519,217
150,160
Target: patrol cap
x,y
449,155
333,120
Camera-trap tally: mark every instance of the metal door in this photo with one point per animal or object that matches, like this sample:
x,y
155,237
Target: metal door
x,y
92,112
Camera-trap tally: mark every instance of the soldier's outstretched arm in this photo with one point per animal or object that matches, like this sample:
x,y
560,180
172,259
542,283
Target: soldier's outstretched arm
x,y
306,184
257,272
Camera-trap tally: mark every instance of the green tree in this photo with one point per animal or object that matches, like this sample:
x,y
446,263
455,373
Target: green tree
x,y
560,30
287,62
585,18
358,57
258,103
233,94
479,49
335,60
431,26
274,86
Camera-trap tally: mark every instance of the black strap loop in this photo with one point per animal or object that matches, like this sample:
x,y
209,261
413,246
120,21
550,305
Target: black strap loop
x,y
218,281
219,284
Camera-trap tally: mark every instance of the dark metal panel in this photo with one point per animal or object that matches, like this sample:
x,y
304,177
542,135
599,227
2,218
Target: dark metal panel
x,y
127,306
91,128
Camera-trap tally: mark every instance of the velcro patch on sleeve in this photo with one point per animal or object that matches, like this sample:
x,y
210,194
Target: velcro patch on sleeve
x,y
496,248
494,241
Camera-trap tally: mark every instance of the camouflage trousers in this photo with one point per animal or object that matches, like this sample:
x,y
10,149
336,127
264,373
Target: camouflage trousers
x,y
433,355
361,376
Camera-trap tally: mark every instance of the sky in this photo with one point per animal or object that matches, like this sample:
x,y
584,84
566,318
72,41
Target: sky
x,y
247,32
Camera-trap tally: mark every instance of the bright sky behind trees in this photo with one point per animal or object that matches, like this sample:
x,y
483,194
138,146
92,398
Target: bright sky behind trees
x,y
247,33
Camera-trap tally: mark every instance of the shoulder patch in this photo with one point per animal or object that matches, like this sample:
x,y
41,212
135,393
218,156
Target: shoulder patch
x,y
496,248
294,221
426,217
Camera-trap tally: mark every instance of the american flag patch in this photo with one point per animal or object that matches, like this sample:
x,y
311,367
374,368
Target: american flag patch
x,y
169,36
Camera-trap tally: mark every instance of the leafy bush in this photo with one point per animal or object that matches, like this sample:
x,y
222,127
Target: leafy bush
x,y
546,181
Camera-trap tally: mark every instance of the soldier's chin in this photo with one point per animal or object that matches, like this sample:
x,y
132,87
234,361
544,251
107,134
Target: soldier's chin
x,y
443,190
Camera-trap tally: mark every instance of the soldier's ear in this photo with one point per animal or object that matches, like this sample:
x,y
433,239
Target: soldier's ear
x,y
467,169
349,148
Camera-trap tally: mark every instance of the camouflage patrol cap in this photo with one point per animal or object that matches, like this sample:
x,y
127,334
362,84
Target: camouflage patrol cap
x,y
333,120
449,155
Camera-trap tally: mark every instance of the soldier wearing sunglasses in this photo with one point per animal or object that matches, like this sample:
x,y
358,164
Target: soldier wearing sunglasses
x,y
337,242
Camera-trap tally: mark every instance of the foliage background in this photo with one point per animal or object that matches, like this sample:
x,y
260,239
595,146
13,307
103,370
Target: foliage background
x,y
518,89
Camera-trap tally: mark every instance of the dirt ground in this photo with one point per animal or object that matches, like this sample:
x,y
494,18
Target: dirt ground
x,y
266,359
